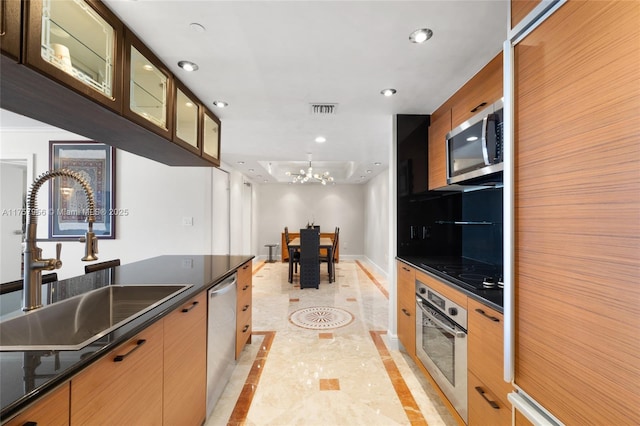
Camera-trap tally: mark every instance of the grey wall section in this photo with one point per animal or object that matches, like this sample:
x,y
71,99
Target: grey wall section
x,y
376,221
295,205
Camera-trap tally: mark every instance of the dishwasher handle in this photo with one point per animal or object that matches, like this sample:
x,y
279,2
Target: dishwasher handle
x,y
227,285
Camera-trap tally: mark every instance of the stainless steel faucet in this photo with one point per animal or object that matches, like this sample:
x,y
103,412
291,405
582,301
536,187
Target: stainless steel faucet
x,y
33,262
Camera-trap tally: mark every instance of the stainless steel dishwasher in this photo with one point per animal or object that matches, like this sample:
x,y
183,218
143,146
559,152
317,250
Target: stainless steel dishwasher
x,y
221,338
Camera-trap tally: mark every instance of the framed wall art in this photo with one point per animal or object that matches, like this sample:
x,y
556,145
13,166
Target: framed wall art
x,y
68,210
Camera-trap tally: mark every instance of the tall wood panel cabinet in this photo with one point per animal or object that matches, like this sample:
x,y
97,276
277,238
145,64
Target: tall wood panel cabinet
x,y
577,212
440,126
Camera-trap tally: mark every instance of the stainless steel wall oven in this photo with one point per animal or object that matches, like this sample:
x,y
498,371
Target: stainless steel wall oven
x,y
441,343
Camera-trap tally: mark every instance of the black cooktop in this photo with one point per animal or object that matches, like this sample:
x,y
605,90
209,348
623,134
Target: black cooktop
x,y
467,272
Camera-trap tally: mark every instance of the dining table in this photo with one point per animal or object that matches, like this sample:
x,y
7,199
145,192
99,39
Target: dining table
x,y
325,243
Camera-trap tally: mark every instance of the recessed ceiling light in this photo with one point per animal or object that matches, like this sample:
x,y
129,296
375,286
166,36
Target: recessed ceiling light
x,y
197,27
188,66
220,104
388,92
421,35
368,171
240,162
377,163
321,139
251,170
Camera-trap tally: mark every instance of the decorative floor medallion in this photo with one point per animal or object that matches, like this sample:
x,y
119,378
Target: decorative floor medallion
x,y
321,318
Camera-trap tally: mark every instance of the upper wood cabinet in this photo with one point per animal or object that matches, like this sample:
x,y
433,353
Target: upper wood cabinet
x,y
79,44
148,88
10,27
211,137
482,90
440,126
186,131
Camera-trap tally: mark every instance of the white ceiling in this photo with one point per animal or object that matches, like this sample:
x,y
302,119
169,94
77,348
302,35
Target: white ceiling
x,y
271,59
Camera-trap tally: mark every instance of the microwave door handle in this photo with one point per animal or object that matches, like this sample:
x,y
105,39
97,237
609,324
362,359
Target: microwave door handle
x,y
485,149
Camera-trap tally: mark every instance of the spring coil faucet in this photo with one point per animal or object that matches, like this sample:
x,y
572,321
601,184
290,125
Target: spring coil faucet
x,y
34,264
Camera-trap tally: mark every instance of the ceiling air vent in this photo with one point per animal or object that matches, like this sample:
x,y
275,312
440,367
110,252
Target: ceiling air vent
x,y
323,109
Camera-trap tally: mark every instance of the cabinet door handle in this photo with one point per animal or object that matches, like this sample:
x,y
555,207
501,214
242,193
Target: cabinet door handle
x,y
119,358
484,395
28,423
245,267
193,305
245,287
406,269
484,314
478,107
246,327
404,311
245,307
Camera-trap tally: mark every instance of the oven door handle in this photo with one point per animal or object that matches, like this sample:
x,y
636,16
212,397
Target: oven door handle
x,y
439,323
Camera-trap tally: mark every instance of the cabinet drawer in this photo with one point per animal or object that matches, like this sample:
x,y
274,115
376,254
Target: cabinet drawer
x,y
51,410
484,407
243,331
406,278
486,347
122,392
442,288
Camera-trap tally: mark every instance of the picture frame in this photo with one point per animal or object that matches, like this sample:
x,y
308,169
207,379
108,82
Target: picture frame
x,y
67,201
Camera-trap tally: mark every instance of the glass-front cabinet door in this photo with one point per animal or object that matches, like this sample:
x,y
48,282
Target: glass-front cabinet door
x,y
10,28
187,118
148,88
211,137
77,42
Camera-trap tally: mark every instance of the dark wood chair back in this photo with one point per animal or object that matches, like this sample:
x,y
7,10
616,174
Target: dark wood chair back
x,y
101,265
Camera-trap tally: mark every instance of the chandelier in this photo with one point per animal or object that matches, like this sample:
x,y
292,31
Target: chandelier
x,y
308,176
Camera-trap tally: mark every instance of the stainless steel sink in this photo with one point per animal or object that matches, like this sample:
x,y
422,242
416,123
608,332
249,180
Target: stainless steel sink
x,y
73,323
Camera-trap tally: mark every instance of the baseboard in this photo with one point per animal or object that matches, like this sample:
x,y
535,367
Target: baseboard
x,y
378,269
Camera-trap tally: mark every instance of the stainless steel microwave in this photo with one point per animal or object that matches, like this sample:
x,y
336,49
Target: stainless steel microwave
x,y
474,149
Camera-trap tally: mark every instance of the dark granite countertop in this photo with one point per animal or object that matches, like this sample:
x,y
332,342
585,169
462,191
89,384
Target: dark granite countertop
x,y
27,375
492,298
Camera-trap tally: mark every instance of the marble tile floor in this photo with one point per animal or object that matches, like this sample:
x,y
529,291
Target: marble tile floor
x,y
317,374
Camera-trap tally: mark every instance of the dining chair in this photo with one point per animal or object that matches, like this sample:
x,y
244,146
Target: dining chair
x,y
294,258
330,258
19,284
101,265
309,258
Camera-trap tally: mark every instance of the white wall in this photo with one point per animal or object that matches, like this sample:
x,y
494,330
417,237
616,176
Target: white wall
x,y
295,205
157,197
376,222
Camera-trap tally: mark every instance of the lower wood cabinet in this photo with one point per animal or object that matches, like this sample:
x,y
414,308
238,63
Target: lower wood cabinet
x,y
487,391
406,303
51,410
185,364
243,307
484,407
125,386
